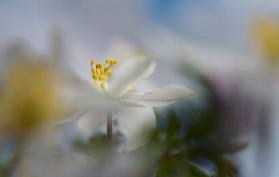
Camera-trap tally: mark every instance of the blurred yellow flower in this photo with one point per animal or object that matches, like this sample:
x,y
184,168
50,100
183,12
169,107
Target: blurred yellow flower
x,y
267,36
28,99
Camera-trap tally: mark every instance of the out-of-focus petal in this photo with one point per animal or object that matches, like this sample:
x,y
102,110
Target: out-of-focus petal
x,y
123,50
49,156
134,124
128,73
159,97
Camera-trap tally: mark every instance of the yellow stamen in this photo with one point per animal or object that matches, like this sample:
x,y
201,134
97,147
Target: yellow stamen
x,y
91,62
100,72
131,89
111,61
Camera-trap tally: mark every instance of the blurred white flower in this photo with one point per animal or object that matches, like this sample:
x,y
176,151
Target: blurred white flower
x,y
48,155
133,114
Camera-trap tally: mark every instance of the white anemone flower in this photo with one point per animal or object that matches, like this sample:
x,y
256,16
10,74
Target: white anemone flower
x,y
133,114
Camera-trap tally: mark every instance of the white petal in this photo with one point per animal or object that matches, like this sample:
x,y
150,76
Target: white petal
x,y
91,122
79,94
134,123
128,73
122,49
159,97
84,104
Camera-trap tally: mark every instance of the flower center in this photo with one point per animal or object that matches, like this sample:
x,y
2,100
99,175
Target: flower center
x,y
100,72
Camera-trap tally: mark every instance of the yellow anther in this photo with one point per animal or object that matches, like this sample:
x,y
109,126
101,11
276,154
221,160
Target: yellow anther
x,y
131,89
102,77
99,66
95,76
106,69
101,72
91,62
108,61
98,70
113,62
